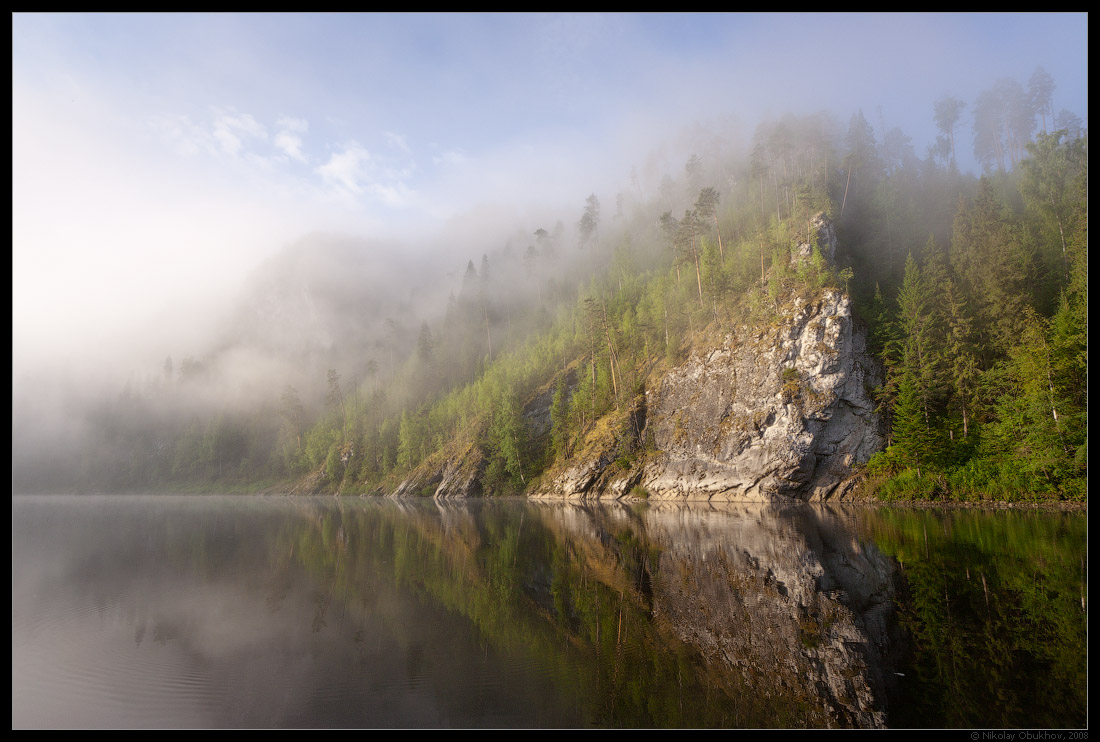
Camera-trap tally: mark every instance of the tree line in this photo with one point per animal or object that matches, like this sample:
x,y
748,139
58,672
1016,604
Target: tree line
x,y
974,291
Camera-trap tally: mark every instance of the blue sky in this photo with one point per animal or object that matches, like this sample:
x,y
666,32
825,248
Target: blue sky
x,y
153,154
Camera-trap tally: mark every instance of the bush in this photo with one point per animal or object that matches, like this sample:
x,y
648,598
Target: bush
x,y
912,484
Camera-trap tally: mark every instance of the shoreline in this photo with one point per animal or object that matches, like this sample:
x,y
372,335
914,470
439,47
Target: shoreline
x,y
1059,505
1069,506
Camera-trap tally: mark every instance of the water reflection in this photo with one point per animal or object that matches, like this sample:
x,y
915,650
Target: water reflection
x,y
230,612
996,605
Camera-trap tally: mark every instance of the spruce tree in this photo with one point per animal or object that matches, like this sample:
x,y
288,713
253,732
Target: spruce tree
x,y
997,268
960,370
915,442
916,370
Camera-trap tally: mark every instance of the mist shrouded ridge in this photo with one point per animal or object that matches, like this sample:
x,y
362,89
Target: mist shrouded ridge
x,y
457,280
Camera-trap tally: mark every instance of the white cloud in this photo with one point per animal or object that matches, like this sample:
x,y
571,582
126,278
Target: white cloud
x,y
288,139
231,129
396,196
186,137
290,144
404,172
345,169
289,123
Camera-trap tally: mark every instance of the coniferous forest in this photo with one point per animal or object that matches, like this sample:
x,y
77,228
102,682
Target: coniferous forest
x,y
523,355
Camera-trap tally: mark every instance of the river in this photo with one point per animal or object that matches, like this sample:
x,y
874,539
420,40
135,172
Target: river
x,y
267,612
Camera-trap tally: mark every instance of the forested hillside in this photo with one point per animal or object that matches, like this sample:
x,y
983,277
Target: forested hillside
x,y
974,291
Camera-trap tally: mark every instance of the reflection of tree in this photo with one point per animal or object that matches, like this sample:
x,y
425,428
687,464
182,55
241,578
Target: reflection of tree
x,y
744,615
581,591
996,609
748,616
576,606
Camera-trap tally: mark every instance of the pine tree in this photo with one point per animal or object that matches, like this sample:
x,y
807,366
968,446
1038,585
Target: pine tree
x,y
960,369
915,442
948,111
1053,182
507,446
706,206
920,327
917,370
407,445
997,269
590,220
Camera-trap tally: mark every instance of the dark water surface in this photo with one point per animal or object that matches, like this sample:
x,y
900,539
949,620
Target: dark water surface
x,y
157,612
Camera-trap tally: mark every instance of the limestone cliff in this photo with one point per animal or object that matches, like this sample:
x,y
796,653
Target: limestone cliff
x,y
778,410
453,473
781,407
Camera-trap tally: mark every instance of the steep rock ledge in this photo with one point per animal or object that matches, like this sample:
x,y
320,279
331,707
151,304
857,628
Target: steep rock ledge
x,y
783,410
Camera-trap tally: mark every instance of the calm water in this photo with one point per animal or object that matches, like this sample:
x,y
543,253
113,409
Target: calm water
x,y
272,612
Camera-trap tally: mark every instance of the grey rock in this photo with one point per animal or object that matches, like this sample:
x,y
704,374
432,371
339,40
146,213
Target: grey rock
x,y
779,410
781,599
826,240
784,410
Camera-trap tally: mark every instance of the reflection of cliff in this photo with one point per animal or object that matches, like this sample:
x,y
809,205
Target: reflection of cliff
x,y
510,613
781,602
736,615
748,615
784,596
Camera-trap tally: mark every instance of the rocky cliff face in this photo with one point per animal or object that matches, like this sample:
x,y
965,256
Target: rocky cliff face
x,y
781,408
456,474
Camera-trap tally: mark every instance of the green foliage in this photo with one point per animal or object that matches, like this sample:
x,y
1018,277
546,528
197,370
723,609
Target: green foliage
x,y
590,219
322,442
1041,414
791,388
997,267
815,273
985,347
507,447
559,422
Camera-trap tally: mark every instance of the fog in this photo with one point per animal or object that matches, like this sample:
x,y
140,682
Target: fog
x,y
166,167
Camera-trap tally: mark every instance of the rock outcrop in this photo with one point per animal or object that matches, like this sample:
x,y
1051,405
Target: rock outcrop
x,y
453,474
779,410
825,234
782,407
